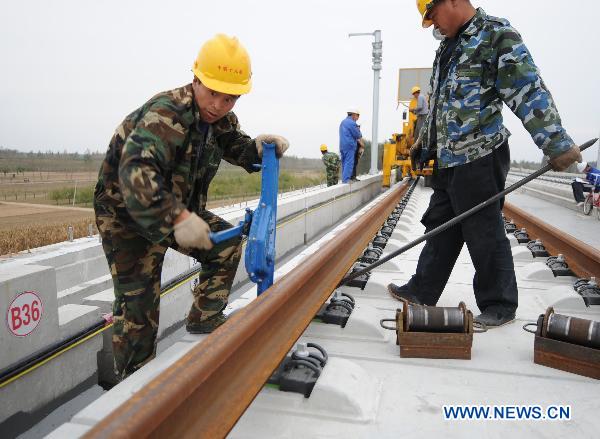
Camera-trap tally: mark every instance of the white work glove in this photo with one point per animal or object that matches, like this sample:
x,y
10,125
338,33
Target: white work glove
x,y
192,232
281,143
562,161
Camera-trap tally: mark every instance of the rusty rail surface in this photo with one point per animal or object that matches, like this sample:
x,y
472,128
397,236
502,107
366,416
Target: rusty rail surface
x,y
582,258
205,392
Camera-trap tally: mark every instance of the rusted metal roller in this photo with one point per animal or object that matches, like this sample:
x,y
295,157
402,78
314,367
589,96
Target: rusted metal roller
x,y
571,329
436,319
566,343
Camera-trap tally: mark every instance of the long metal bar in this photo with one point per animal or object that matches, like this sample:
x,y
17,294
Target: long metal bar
x,y
205,392
582,258
458,218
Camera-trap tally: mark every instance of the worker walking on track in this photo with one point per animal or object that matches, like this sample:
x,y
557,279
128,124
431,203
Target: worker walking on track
x,y
350,140
332,165
481,63
152,191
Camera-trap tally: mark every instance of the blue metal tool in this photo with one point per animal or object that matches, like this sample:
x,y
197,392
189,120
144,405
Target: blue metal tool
x,y
239,230
260,248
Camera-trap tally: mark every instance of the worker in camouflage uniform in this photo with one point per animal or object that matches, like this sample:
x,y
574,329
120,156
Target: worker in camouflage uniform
x,y
332,165
152,191
481,62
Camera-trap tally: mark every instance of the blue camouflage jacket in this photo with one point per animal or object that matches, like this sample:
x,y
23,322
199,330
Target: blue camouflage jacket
x,y
489,66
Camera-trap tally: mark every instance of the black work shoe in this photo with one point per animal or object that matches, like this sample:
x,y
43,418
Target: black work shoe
x,y
206,326
493,318
401,293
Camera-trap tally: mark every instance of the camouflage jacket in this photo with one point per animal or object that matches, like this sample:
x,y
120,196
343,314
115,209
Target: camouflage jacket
x,y
489,66
331,160
161,160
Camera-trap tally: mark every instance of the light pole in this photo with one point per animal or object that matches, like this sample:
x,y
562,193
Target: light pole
x,y
377,55
598,159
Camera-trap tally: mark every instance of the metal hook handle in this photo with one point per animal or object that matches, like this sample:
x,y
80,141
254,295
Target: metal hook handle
x,y
530,324
382,321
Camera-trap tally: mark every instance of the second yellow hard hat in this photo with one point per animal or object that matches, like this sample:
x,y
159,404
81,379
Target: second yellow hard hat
x,y
223,65
323,147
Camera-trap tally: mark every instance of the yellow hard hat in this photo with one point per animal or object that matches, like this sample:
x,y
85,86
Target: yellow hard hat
x,y
424,6
415,89
223,65
323,147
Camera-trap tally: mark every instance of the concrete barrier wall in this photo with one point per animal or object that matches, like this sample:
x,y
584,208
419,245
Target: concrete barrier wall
x,y
73,282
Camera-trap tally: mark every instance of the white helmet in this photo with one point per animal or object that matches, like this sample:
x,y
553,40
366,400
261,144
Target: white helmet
x,y
354,110
581,166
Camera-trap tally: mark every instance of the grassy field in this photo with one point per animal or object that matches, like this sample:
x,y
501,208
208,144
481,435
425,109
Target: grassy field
x,y
37,189
23,227
58,188
33,216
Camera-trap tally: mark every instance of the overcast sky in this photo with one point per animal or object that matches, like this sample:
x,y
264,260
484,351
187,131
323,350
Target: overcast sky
x,y
71,70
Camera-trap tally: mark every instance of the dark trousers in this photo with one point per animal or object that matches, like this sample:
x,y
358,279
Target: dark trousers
x,y
356,158
456,190
418,126
578,189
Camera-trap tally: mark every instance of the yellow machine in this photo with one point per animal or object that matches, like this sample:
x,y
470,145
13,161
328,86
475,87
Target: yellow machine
x,y
396,151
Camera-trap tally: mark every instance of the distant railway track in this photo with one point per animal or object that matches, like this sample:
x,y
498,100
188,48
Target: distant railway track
x,y
560,179
583,259
231,366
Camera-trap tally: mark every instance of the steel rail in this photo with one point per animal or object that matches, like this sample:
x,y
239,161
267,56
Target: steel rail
x,y
40,358
204,393
583,259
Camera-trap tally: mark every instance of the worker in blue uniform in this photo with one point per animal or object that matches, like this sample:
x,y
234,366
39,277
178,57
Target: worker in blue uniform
x,y
592,178
350,141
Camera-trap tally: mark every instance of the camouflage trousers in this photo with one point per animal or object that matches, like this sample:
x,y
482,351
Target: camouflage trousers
x,y
333,175
136,264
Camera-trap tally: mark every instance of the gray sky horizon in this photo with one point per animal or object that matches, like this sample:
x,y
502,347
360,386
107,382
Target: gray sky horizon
x,y
72,70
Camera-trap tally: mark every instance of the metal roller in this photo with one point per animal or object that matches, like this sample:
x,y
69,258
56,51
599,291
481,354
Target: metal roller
x,y
572,329
436,319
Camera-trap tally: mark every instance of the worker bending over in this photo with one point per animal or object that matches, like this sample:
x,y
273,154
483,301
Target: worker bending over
x,y
152,191
480,63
